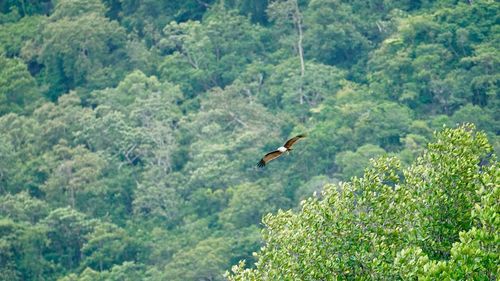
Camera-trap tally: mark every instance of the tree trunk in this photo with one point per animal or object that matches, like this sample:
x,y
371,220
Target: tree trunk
x,y
297,18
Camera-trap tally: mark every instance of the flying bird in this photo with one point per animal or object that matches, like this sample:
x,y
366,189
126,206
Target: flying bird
x,y
277,153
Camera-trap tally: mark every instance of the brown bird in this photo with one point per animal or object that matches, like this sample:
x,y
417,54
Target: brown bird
x,y
277,153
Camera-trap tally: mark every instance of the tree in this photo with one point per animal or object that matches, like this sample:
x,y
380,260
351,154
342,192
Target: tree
x,y
136,120
106,246
26,8
74,176
14,35
448,191
256,9
18,90
483,63
21,207
77,46
67,230
474,256
335,34
481,117
20,154
62,121
297,93
21,247
158,199
229,127
128,271
426,64
392,222
211,53
311,188
353,163
7,161
74,9
383,124
287,13
130,131
288,16
148,18
249,203
205,262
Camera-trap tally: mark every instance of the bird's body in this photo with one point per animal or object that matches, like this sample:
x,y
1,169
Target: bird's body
x,y
280,150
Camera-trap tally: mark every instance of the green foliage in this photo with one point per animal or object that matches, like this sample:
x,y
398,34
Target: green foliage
x,y
130,132
14,35
208,54
23,207
77,46
25,8
107,246
21,145
449,190
75,175
67,230
288,90
138,118
256,9
436,219
20,251
427,63
128,271
158,200
188,265
249,203
148,18
61,122
336,35
353,163
18,90
73,9
229,127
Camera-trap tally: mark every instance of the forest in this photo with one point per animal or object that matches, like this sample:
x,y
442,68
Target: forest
x,y
130,132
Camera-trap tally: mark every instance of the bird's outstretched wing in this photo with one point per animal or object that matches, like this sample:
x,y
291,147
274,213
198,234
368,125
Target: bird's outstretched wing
x,y
268,157
291,141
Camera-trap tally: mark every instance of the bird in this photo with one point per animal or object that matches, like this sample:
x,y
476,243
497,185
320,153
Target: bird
x,y
282,149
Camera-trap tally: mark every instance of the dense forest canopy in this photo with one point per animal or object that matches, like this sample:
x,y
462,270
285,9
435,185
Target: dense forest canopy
x,y
130,133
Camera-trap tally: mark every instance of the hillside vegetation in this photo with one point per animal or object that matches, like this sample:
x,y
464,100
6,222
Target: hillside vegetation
x,y
437,219
130,133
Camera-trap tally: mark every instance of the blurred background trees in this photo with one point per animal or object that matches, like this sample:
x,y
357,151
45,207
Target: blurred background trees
x,y
130,131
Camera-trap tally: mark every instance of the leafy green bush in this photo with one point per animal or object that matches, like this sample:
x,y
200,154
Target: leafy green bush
x,y
437,219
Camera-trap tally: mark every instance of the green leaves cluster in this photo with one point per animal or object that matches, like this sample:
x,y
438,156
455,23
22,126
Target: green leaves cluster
x,y
436,219
130,131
